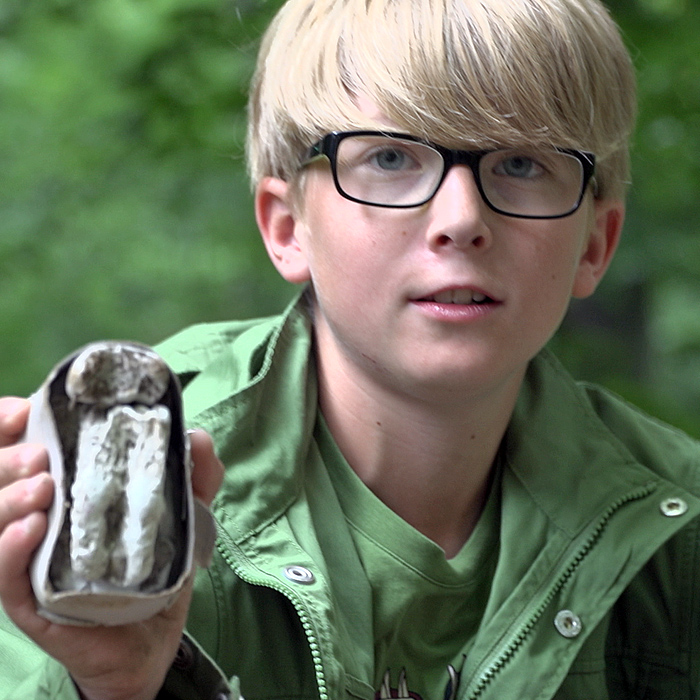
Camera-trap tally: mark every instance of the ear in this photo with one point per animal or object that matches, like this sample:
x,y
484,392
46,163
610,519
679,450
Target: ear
x,y
279,225
608,217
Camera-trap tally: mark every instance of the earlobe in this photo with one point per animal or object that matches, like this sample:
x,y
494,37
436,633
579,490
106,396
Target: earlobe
x,y
609,216
279,224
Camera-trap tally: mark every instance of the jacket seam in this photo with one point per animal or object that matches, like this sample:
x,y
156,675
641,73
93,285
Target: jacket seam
x,y
693,597
220,608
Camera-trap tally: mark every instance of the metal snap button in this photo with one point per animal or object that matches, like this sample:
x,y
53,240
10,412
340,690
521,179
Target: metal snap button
x,y
568,624
673,507
299,574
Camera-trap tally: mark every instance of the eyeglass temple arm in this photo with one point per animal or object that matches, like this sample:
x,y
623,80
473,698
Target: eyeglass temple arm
x,y
313,152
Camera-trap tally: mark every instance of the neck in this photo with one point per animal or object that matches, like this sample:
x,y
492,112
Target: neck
x,y
429,460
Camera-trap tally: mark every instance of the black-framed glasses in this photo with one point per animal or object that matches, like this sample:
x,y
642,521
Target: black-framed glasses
x,y
394,170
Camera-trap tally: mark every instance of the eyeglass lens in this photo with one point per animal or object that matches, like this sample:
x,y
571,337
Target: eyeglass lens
x,y
391,171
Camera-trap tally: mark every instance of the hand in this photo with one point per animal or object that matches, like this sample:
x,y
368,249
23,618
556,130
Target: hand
x,y
106,663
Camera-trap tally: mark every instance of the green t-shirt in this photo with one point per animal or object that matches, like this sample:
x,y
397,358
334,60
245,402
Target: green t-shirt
x,y
426,608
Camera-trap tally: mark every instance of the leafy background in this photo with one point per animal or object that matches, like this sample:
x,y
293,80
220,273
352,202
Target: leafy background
x,y
124,209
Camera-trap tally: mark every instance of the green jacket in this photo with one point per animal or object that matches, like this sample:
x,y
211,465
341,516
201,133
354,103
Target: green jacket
x,y
594,595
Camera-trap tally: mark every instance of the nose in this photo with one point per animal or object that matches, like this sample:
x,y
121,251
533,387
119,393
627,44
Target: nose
x,y
457,213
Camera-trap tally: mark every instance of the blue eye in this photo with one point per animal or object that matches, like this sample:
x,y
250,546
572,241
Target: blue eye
x,y
518,165
390,159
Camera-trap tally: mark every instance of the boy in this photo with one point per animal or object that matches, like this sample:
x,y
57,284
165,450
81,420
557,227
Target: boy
x,y
418,501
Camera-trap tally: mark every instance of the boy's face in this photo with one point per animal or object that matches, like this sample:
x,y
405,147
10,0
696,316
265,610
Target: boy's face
x,y
447,297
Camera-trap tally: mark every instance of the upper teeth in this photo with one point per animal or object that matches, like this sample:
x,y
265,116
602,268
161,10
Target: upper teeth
x,y
459,296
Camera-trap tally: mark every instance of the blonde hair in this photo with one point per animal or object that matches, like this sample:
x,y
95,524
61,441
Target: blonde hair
x,y
462,73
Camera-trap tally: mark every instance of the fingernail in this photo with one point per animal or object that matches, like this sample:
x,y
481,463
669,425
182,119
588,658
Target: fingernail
x,y
28,457
10,409
36,483
31,524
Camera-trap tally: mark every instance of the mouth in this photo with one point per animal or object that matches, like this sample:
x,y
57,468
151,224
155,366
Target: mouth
x,y
460,297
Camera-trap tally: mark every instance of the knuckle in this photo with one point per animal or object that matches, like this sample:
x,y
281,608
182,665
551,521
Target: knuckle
x,y
22,497
9,508
13,418
21,461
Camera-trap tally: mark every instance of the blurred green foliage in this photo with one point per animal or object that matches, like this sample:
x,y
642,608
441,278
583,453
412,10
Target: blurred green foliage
x,y
124,209
640,334
125,212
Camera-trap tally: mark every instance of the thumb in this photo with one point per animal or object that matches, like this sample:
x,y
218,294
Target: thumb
x,y
208,470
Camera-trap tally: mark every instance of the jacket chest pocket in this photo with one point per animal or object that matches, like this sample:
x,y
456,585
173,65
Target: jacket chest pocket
x,y
585,685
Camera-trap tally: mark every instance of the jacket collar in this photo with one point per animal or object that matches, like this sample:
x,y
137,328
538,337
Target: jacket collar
x,y
564,455
252,386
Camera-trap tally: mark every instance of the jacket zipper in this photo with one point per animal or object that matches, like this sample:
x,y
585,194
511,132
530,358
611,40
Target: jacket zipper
x,y
297,603
517,640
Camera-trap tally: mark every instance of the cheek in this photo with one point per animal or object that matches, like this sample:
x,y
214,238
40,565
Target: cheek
x,y
561,250
554,260
346,244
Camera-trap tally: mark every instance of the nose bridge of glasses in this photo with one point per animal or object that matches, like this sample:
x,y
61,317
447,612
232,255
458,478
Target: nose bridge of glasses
x,y
468,159
459,204
457,157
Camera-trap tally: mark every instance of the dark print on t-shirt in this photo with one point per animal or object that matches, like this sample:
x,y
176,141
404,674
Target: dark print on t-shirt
x,y
401,692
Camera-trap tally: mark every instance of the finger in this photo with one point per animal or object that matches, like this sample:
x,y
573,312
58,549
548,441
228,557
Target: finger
x,y
208,470
23,497
21,461
13,419
17,544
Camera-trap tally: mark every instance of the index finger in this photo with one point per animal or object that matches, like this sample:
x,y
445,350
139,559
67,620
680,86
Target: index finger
x,y
13,419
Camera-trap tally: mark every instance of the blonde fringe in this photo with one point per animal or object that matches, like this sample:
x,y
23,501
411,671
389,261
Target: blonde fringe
x,y
464,73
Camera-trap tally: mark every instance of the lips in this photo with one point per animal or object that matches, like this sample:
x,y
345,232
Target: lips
x,y
458,296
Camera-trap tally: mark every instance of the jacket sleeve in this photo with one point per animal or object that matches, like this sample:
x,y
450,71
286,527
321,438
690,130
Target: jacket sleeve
x,y
28,672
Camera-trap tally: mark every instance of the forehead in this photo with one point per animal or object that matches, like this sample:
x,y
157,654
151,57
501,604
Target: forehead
x,y
371,109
